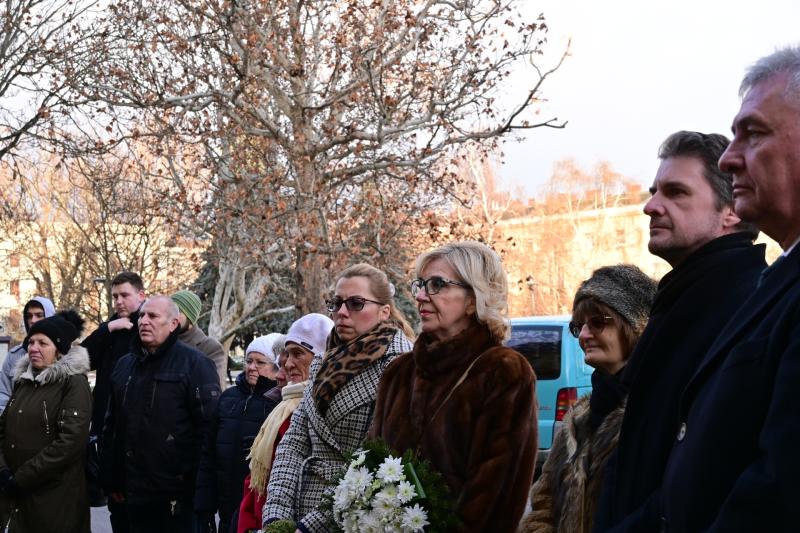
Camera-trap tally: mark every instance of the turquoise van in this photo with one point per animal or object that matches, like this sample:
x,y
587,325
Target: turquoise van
x,y
561,375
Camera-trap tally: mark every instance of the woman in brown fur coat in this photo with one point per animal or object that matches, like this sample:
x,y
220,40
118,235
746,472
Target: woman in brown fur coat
x,y
461,399
609,313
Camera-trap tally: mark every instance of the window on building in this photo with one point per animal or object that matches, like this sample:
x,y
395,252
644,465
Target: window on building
x,y
14,288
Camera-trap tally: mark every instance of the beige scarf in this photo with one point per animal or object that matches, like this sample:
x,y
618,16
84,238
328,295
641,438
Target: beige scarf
x,y
261,453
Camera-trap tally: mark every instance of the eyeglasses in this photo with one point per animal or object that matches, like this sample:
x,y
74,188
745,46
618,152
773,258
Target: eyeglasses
x,y
433,285
354,303
595,323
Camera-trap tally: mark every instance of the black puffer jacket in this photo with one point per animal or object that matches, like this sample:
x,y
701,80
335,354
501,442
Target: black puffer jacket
x,y
159,412
105,349
223,465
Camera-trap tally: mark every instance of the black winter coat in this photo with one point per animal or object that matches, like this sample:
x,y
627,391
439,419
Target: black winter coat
x,y
43,435
734,467
158,415
692,305
105,349
223,465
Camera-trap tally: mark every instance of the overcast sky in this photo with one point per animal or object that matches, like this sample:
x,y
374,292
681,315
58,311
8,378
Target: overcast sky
x,y
640,70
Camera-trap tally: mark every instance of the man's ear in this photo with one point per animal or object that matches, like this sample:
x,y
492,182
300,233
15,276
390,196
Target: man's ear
x,y
729,218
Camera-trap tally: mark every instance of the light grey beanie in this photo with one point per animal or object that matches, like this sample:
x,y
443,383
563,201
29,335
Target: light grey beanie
x,y
625,289
266,346
311,332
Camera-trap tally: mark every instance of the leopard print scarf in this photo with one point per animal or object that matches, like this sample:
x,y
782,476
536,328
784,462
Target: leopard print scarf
x,y
343,362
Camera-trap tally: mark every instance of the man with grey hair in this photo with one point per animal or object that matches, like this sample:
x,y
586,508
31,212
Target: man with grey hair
x,y
734,465
163,394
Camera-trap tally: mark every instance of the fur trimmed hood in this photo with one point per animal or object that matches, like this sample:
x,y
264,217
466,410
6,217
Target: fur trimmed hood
x,y
76,361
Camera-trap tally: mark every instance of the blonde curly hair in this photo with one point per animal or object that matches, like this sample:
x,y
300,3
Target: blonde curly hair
x,y
481,268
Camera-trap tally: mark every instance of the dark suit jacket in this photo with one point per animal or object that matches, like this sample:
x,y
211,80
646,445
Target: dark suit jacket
x,y
735,465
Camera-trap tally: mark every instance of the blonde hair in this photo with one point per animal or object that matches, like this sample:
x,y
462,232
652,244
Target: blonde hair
x,y
481,268
383,291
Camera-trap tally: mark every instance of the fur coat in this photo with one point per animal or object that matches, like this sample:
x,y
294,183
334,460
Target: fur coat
x,y
566,494
467,405
43,435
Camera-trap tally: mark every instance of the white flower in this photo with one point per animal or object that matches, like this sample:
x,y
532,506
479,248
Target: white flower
x,y
385,504
415,518
350,523
405,492
392,527
358,479
342,497
391,470
389,489
370,523
359,460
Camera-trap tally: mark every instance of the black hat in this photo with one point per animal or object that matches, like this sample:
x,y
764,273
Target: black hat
x,y
62,328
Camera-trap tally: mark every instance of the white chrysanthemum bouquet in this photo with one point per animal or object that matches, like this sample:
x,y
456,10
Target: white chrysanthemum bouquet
x,y
383,493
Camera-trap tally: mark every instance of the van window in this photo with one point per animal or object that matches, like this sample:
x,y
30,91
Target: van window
x,y
541,346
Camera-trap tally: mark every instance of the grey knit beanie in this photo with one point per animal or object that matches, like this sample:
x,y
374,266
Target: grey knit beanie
x,y
625,289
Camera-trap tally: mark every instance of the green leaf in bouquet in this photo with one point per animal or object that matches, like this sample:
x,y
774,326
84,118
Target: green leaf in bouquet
x,y
411,472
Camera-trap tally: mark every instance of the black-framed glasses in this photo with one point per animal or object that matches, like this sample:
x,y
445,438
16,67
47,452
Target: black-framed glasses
x,y
595,323
433,285
354,303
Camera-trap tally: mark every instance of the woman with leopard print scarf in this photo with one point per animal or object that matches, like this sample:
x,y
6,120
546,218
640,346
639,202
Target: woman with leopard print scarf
x,y
336,411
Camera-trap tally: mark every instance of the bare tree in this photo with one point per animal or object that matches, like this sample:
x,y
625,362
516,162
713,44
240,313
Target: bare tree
x,y
325,123
82,220
42,42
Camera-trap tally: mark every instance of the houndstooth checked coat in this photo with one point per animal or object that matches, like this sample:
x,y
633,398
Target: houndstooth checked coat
x,y
312,451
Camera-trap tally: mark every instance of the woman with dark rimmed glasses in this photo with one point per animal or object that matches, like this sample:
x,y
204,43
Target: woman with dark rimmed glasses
x,y
336,411
609,313
461,400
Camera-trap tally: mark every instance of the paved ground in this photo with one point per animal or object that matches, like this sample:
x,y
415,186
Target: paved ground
x,y
100,523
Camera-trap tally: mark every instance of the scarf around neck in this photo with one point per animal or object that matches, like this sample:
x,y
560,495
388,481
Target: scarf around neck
x,y
608,393
264,444
344,361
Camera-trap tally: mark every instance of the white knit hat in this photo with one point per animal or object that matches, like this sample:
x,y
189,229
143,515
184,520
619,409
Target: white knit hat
x,y
311,332
264,345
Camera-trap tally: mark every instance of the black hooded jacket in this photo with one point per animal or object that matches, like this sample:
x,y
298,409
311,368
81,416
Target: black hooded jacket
x,y
159,411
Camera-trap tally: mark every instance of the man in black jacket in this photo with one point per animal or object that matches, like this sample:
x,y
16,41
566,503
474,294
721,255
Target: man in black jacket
x,y
715,268
112,339
106,345
162,397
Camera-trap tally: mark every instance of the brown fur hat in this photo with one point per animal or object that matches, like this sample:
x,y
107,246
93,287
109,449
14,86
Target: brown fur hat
x,y
625,289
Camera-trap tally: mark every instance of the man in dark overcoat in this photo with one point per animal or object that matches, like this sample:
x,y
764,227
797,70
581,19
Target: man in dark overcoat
x,y
715,268
163,395
735,465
